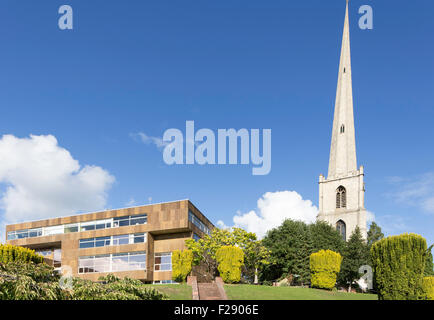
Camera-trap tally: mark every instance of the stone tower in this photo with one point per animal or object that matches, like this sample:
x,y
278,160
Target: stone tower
x,y
341,195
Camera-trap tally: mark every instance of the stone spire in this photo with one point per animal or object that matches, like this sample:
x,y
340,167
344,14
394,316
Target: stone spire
x,y
343,159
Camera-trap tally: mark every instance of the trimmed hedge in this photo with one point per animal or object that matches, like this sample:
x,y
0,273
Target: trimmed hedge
x,y
230,259
10,253
181,264
428,287
398,265
324,266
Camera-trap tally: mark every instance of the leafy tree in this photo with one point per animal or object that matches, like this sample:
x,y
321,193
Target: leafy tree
x,y
374,234
324,266
230,259
30,281
204,250
429,265
291,246
9,253
181,264
355,255
399,265
325,237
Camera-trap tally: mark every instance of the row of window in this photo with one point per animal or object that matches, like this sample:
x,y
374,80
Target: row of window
x,y
79,227
113,240
198,223
112,262
123,262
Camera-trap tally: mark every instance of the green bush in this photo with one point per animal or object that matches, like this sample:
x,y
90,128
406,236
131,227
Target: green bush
x,y
428,287
10,253
30,281
182,262
230,260
325,266
398,265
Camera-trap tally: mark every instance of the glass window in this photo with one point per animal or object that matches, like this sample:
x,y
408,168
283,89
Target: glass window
x,y
163,261
121,239
57,258
87,243
44,252
35,233
198,223
71,228
102,241
112,263
140,219
53,230
139,237
87,226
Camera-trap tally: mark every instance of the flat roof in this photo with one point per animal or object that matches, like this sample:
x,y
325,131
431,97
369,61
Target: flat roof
x,y
105,210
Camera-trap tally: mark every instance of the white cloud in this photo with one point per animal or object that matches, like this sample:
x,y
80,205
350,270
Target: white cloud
x,y
40,179
143,137
416,191
272,209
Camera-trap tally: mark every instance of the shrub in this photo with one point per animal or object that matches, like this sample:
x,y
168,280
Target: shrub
x,y
428,287
111,287
30,281
398,265
181,264
324,266
10,253
230,259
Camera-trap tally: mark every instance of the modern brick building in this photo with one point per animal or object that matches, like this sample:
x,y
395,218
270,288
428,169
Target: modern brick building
x,y
136,242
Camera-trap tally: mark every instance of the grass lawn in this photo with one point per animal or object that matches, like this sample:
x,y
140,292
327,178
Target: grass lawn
x,y
252,292
174,291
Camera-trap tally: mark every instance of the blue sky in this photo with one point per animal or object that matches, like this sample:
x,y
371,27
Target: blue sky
x,y
146,66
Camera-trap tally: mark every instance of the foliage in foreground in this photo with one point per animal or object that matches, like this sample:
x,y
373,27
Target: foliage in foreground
x,y
325,265
30,281
10,253
230,259
114,288
399,265
182,262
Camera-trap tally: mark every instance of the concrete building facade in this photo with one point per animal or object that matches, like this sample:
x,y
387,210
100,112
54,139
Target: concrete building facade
x,y
136,242
342,193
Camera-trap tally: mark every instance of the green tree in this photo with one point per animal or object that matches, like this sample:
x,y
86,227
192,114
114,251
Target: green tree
x,y
324,266
30,281
374,234
182,262
325,237
290,247
355,255
230,259
429,265
399,265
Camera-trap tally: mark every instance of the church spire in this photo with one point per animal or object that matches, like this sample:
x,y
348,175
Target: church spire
x,y
343,145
